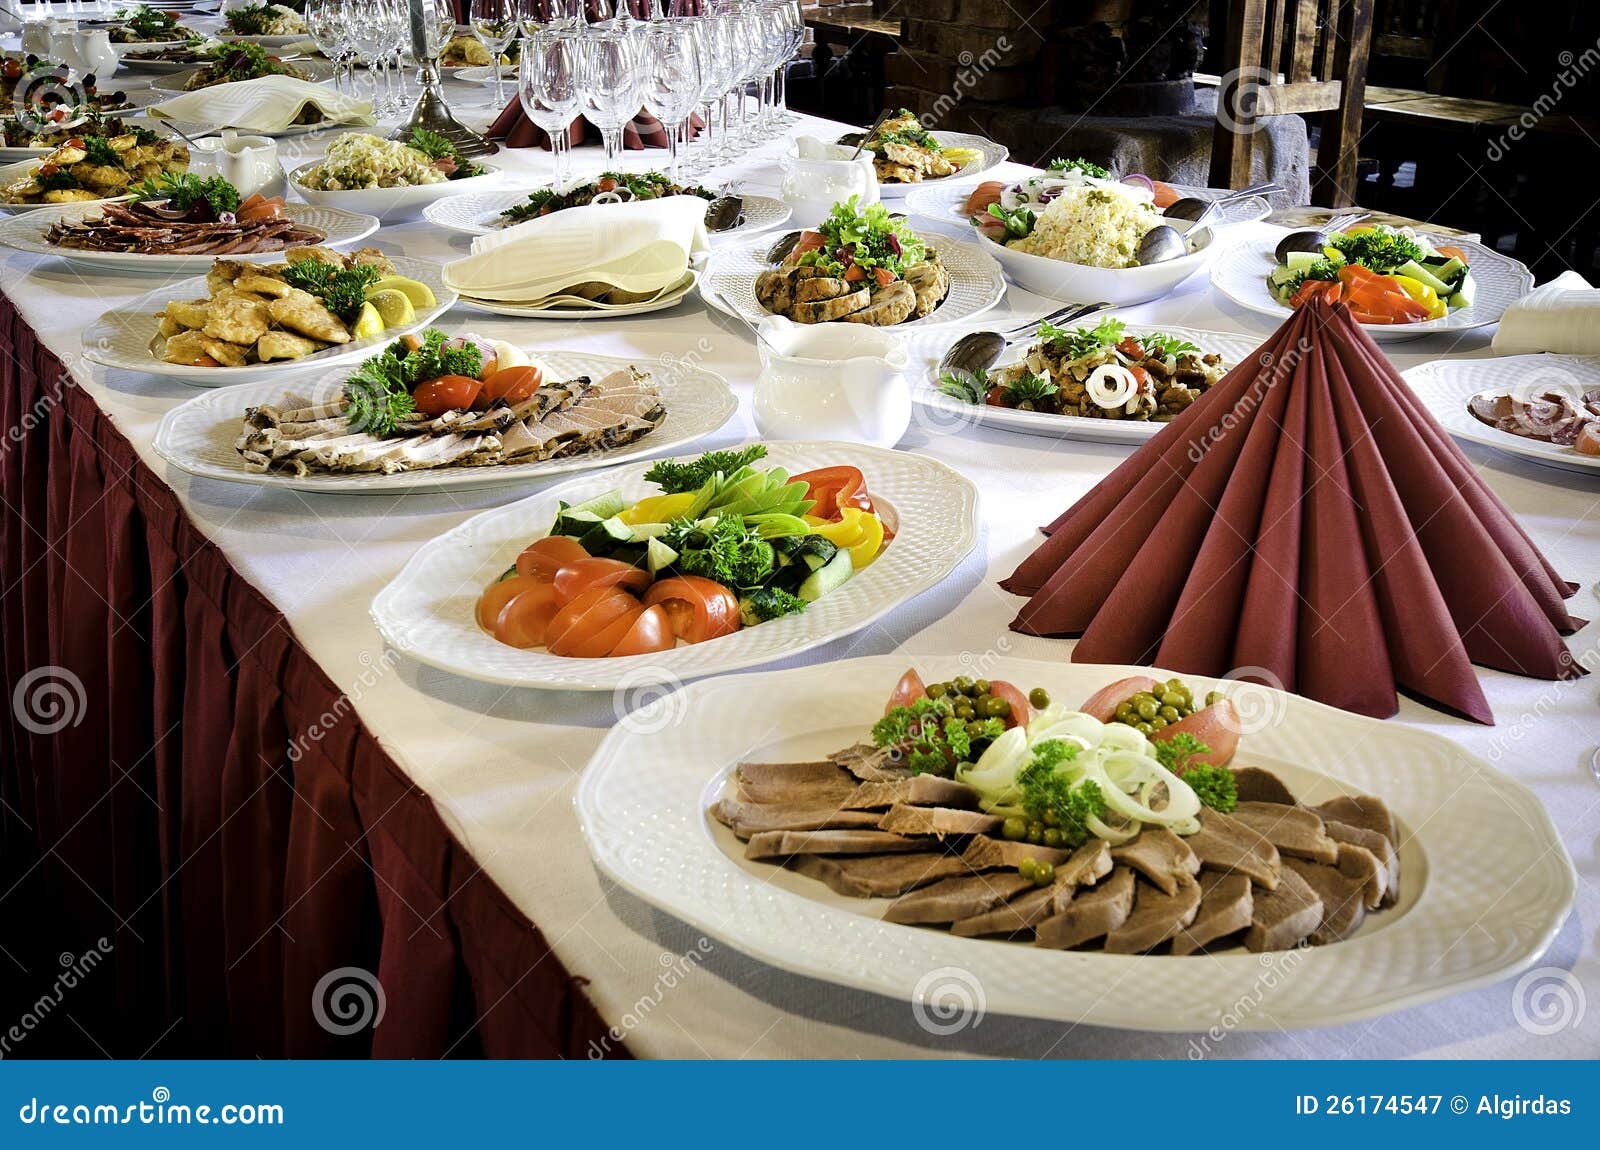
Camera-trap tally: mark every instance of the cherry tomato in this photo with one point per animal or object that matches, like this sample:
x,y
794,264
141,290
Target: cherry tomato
x,y
447,393
651,632
544,557
1131,347
498,594
512,384
698,608
1103,703
579,621
523,621
582,574
1021,712
909,689
1217,727
835,487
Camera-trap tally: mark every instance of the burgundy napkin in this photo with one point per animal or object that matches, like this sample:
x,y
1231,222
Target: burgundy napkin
x,y
515,130
1307,521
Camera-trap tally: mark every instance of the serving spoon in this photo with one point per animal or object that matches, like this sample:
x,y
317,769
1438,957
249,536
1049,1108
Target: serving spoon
x,y
1315,239
1164,242
980,350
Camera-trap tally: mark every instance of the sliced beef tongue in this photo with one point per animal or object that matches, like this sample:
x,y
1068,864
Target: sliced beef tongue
x,y
1293,830
871,764
878,876
956,898
818,783
1226,903
1381,849
1255,785
1365,811
1281,918
748,819
1343,898
1083,867
1161,857
917,791
939,821
1092,913
1224,844
1156,917
985,853
784,844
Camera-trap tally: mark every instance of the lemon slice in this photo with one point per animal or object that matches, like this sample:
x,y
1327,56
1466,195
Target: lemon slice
x,y
394,307
368,324
420,294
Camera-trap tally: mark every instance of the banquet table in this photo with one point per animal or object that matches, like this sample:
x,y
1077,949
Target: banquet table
x,y
442,807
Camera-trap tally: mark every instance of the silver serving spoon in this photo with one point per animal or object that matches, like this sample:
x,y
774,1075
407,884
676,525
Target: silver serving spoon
x,y
872,131
1164,242
1196,210
188,139
980,350
1315,239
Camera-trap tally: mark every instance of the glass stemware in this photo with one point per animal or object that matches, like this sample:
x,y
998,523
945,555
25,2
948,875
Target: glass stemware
x,y
716,73
611,81
671,78
325,24
495,24
549,15
548,84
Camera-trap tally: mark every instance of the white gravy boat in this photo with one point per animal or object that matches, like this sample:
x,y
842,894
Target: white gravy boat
x,y
840,381
817,175
249,163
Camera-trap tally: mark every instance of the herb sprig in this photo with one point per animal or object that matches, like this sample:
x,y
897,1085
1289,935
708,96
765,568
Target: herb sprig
x,y
675,477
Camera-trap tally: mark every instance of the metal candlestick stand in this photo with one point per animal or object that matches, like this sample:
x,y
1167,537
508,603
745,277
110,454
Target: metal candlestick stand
x,y
431,110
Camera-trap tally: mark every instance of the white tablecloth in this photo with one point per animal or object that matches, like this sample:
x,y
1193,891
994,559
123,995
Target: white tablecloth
x,y
501,764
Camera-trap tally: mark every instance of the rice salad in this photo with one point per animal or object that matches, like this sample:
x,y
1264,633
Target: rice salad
x,y
359,161
1097,223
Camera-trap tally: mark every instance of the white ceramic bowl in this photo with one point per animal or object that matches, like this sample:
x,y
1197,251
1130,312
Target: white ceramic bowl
x,y
1082,284
391,203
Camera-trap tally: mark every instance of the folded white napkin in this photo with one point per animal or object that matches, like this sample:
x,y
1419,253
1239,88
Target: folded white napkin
x,y
268,104
1562,316
640,247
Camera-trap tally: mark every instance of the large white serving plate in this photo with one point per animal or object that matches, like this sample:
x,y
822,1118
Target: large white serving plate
x,y
945,413
642,806
428,611
1240,273
1445,386
479,214
316,71
976,283
588,309
989,155
947,203
26,234
121,338
393,203
25,166
268,42
198,435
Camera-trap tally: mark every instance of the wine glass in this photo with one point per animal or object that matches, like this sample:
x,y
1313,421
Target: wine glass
x,y
549,15
671,79
325,24
716,73
548,86
609,66
495,24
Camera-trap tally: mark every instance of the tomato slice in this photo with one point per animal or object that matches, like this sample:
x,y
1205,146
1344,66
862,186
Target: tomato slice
x,y
544,557
524,621
909,689
1216,726
834,488
1103,703
651,632
498,594
582,574
698,608
1021,711
512,384
601,643
586,615
447,393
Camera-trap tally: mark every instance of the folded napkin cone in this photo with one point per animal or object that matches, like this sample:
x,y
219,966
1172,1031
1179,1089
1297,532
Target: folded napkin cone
x,y
640,247
1306,524
266,104
1562,316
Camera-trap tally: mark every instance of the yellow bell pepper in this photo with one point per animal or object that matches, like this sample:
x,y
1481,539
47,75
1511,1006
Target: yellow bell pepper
x,y
846,532
659,508
871,542
1423,294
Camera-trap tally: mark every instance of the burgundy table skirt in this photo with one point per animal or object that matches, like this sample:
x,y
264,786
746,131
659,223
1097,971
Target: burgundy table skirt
x,y
226,874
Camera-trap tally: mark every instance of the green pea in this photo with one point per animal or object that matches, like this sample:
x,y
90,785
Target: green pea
x,y
997,709
965,711
1044,874
1157,724
1170,714
1125,713
1147,709
1027,868
1143,728
937,690
1014,829
1052,837
1035,833
1039,697
1176,685
1051,819
1214,697
983,686
962,684
1171,699
974,729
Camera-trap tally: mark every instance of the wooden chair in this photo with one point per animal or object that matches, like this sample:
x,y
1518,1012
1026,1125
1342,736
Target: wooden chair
x,y
1301,57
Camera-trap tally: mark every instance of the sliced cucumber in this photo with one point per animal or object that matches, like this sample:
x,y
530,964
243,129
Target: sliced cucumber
x,y
602,506
643,531
1448,270
1465,293
607,536
1281,275
827,578
571,521
657,555
1417,272
1300,260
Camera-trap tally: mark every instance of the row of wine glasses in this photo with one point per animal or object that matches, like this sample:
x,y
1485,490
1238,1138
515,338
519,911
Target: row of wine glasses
x,y
373,33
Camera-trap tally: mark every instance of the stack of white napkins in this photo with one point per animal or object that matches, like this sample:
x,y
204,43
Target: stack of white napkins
x,y
268,104
640,250
1561,316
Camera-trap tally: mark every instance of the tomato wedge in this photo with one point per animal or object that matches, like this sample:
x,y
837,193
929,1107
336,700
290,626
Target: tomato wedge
x,y
601,643
808,241
582,574
1103,703
908,690
834,488
259,207
986,193
512,384
447,393
498,594
544,557
524,621
651,632
585,616
698,608
1021,710
1216,726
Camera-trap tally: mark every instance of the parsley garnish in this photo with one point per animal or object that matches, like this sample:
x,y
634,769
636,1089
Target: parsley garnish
x,y
674,477
1078,164
931,737
380,389
183,192
343,290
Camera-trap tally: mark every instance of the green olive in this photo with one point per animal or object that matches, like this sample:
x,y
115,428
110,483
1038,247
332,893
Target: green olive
x,y
1014,829
1052,837
1039,697
1147,708
1044,874
1027,868
983,686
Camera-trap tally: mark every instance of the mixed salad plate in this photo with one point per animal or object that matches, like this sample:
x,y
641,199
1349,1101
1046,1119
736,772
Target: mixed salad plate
x,y
753,555
1051,819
